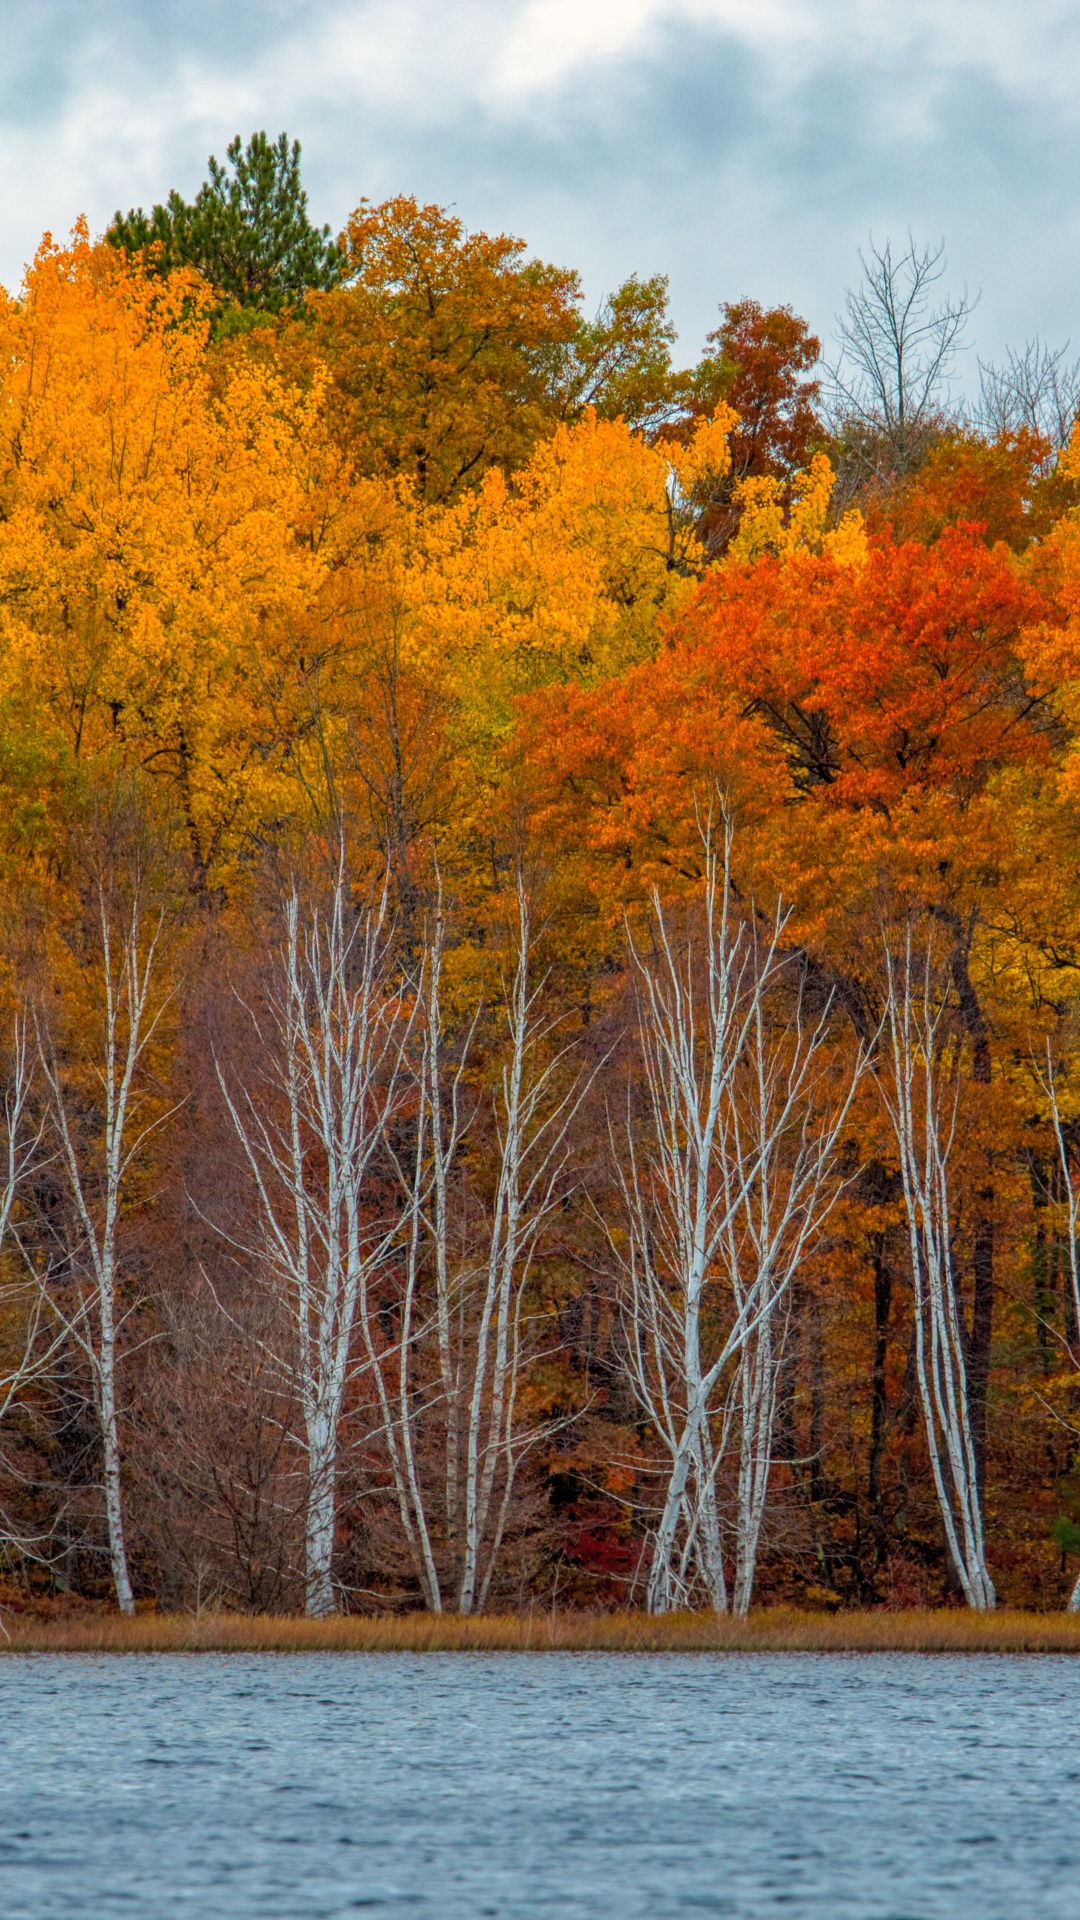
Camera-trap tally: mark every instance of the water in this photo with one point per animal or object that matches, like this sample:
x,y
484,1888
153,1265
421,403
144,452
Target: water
x,y
599,1787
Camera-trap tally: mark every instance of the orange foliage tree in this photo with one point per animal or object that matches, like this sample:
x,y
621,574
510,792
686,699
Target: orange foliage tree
x,y
431,578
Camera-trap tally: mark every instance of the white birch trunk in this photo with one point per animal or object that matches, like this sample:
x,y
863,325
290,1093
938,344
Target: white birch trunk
x,y
319,1519
110,1442
331,1061
737,1188
757,1407
533,1119
1048,1082
689,1052
426,1183
446,1134
924,1136
781,1147
96,1171
22,1298
475,1316
18,1153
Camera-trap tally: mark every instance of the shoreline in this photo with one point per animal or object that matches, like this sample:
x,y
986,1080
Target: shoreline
x,y
772,1630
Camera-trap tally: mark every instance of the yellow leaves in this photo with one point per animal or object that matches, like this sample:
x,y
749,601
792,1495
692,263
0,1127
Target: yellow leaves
x,y
765,528
1051,649
194,582
437,616
1069,463
1060,559
705,461
761,529
561,573
441,347
150,541
847,542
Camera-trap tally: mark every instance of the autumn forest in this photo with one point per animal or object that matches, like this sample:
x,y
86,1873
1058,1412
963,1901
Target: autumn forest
x,y
539,932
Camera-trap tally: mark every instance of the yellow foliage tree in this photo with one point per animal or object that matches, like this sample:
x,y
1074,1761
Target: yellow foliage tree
x,y
194,582
157,536
767,528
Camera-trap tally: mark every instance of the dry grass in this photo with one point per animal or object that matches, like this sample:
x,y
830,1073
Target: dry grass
x,y
770,1631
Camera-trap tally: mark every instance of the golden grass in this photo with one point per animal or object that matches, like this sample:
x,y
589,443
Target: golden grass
x,y
778,1630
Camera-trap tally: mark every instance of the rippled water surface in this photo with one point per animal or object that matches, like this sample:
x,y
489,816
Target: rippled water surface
x,y
236,1787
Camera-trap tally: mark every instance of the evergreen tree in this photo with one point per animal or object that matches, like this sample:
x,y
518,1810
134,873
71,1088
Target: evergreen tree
x,y
247,230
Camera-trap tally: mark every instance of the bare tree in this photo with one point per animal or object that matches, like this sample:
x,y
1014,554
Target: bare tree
x,y
897,351
720,1208
481,1256
923,1109
310,1120
100,1139
534,1107
1038,388
466,1338
19,1145
783,1136
426,1176
1071,1191
22,1303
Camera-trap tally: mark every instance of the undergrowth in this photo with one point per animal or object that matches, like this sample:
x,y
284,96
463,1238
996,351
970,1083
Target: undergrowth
x,y
776,1630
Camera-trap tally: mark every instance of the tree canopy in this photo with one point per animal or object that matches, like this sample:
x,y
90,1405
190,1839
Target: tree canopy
x,y
247,230
472,792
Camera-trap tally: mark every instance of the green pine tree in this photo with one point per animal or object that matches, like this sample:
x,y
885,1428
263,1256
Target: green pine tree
x,y
247,230
1066,1535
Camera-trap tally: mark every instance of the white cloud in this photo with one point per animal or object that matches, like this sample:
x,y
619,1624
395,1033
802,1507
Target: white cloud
x,y
544,41
740,145
507,51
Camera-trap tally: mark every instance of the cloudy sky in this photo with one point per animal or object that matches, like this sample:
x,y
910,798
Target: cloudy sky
x,y
739,146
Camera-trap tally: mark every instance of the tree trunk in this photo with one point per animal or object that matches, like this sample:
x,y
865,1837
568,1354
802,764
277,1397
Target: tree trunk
x,y
978,1340
757,1386
878,1399
915,1010
114,1508
320,1602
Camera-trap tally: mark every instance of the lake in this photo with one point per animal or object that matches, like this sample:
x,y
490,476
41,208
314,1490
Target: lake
x,y
587,1787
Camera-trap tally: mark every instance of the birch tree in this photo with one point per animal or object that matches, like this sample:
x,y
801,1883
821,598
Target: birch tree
x,y
922,1101
24,1309
100,1139
535,1104
735,1188
782,1136
430,1515
310,1121
1071,1194
19,1144
468,1262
